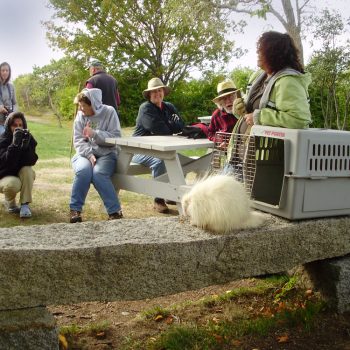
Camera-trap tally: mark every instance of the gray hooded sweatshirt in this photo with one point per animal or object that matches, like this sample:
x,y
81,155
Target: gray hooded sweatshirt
x,y
104,122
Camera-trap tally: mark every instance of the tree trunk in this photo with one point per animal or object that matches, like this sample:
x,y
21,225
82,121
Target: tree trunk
x,y
56,113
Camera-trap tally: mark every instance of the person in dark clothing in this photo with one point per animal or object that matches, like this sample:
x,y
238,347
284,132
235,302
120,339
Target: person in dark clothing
x,y
156,117
101,80
17,156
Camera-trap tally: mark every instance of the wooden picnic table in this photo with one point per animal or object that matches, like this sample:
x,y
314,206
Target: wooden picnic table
x,y
171,185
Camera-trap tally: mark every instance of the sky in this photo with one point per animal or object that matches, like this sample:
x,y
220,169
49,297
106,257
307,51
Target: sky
x,y
24,43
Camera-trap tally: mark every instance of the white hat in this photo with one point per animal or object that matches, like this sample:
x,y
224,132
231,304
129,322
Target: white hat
x,y
154,84
225,88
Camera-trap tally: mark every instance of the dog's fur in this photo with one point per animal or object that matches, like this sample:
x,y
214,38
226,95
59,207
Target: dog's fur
x,y
220,204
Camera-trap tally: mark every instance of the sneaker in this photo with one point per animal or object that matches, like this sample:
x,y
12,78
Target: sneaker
x,y
115,216
75,216
25,211
11,207
167,201
160,206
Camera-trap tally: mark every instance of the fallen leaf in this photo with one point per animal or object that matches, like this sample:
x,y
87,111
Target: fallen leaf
x,y
169,320
158,318
101,335
283,338
236,342
216,320
309,292
63,342
218,338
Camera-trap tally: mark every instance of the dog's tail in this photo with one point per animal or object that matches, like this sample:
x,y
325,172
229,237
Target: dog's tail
x,y
255,219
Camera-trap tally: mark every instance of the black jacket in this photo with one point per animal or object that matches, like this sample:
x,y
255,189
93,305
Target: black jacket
x,y
13,158
109,87
153,120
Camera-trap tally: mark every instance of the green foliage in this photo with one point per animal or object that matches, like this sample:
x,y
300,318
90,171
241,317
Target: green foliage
x,y
287,287
52,86
155,37
131,84
241,77
193,98
55,85
330,68
64,101
151,314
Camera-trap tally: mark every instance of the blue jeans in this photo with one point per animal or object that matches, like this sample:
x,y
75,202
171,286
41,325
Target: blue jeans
x,y
2,129
155,164
100,176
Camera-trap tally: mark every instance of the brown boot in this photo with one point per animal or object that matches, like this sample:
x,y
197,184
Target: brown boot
x,y
75,216
115,216
160,206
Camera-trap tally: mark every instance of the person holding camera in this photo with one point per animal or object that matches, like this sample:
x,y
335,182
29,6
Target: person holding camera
x,y
8,103
17,156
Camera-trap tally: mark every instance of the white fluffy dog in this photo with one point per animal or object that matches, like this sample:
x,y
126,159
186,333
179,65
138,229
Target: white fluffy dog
x,y
220,204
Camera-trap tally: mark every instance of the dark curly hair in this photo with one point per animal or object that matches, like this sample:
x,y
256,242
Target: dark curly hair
x,y
278,51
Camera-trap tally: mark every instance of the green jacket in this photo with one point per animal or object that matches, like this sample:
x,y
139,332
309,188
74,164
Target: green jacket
x,y
285,102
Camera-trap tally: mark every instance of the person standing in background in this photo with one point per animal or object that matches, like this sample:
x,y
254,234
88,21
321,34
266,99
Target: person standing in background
x,y
8,103
105,82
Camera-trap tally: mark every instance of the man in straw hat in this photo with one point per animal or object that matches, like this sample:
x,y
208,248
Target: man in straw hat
x,y
156,117
223,119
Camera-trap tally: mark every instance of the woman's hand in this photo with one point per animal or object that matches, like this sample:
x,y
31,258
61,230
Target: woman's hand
x,y
92,160
249,119
88,131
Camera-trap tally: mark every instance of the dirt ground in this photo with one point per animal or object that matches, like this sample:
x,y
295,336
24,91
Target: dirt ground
x,y
329,331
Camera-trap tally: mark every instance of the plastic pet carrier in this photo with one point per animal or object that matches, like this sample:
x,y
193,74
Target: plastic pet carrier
x,y
296,174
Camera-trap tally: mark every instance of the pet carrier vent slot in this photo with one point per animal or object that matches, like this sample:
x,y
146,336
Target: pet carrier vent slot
x,y
329,159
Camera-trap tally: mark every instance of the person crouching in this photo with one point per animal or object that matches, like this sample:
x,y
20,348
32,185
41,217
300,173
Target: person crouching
x,y
17,156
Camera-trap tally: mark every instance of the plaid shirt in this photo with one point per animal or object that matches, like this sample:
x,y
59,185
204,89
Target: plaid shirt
x,y
221,121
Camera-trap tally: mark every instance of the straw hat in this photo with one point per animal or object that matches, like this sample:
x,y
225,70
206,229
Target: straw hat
x,y
154,84
225,88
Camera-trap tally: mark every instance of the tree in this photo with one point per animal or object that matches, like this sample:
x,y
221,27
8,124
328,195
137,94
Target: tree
x,y
330,68
166,38
290,15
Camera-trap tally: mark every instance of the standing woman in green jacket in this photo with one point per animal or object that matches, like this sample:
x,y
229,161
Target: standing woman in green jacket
x,y
278,94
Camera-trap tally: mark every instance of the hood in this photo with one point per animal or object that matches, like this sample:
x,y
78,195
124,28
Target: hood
x,y
95,96
11,117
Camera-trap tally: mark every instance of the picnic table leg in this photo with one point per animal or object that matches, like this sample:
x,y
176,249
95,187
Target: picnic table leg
x,y
123,163
176,177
